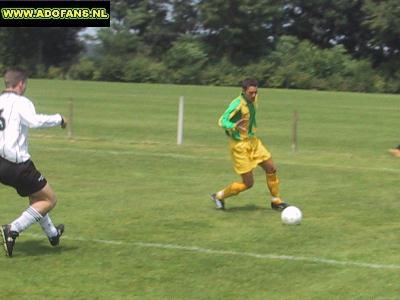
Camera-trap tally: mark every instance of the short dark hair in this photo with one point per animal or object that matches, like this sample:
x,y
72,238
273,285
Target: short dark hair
x,y
249,82
13,76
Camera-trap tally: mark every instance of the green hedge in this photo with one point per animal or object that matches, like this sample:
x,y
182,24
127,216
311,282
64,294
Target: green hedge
x,y
292,64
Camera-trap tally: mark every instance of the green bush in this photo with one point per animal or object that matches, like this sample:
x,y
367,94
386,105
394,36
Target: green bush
x,y
144,69
260,70
40,71
55,73
292,64
83,70
111,68
185,60
392,84
2,69
303,65
222,73
360,77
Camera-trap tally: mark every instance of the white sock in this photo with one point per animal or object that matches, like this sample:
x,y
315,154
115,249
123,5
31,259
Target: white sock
x,y
48,226
29,216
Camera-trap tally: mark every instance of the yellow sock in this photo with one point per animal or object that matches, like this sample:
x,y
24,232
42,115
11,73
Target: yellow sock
x,y
231,190
273,184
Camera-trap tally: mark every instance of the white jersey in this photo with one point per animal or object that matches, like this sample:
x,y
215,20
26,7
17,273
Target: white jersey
x,y
17,115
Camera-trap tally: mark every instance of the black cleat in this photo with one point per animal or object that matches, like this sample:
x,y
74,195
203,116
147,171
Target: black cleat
x,y
55,240
280,206
219,204
8,239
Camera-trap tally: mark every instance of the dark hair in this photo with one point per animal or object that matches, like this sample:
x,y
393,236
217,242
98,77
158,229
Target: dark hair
x,y
249,82
13,76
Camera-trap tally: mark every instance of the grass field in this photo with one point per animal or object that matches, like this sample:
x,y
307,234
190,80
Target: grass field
x,y
139,222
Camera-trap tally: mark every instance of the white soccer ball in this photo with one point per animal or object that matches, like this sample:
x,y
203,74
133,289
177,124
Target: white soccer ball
x,y
291,215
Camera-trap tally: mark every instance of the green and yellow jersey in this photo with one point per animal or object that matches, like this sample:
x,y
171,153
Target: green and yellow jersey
x,y
239,108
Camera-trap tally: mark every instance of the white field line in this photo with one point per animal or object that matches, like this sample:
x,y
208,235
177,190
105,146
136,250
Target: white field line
x,y
202,157
200,250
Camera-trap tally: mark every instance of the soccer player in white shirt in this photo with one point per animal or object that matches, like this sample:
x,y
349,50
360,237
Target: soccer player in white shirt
x,y
17,115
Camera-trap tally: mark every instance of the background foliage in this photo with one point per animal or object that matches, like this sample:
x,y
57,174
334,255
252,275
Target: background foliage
x,y
315,44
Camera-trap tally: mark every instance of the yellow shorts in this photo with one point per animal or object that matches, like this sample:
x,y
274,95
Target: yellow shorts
x,y
247,154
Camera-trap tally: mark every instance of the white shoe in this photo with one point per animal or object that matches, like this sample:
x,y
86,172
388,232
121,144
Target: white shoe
x,y
219,204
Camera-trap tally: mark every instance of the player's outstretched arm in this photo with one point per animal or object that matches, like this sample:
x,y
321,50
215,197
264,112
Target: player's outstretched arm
x,y
30,118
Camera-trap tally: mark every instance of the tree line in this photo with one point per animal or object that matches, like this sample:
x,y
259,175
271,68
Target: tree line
x,y
349,45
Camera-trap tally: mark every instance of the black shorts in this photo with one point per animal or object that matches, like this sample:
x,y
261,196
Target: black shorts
x,y
23,177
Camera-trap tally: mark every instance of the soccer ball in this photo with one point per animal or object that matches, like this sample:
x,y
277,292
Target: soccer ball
x,y
291,215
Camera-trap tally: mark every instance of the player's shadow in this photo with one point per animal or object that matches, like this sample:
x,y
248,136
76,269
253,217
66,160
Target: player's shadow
x,y
39,248
248,208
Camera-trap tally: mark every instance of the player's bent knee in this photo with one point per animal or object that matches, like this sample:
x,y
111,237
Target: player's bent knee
x,y
50,196
268,166
271,170
50,203
249,185
248,182
46,196
53,201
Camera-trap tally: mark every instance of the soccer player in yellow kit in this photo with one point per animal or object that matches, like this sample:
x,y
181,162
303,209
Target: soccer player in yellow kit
x,y
247,151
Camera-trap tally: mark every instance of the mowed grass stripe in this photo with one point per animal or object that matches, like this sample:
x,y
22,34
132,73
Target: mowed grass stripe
x,y
209,158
